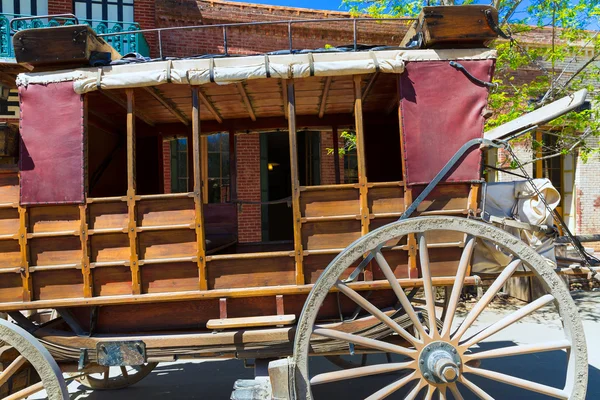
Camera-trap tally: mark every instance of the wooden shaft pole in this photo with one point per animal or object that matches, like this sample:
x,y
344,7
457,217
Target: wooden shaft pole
x,y
136,285
199,208
298,251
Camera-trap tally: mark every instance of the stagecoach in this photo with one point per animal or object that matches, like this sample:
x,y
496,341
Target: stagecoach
x,y
101,269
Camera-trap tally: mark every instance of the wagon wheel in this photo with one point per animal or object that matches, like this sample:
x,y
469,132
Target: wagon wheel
x,y
435,363
118,379
29,351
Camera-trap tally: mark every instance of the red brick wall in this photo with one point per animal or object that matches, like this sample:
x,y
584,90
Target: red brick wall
x,y
144,13
258,39
327,160
60,7
166,154
248,186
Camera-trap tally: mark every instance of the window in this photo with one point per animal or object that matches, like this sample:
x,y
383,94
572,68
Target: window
x,y
105,10
179,165
24,7
217,147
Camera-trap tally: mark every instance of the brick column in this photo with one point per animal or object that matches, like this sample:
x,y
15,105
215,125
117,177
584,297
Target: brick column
x,y
248,187
144,13
60,7
166,153
327,160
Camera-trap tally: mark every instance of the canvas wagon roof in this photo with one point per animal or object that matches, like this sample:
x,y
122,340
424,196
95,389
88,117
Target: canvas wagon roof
x,y
251,86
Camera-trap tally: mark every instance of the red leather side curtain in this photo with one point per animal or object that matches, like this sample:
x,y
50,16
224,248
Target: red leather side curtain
x,y
53,147
441,110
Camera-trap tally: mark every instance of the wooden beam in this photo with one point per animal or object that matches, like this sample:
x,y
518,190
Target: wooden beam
x,y
298,251
362,169
136,285
343,121
369,86
245,292
208,104
198,203
168,104
392,106
123,103
242,90
284,97
324,96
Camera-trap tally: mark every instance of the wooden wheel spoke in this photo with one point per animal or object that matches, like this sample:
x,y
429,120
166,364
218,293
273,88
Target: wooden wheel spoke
x,y
442,391
11,369
377,313
427,285
518,382
366,342
479,392
508,320
124,371
455,392
486,299
412,395
461,272
24,393
106,375
404,301
430,392
392,387
360,372
519,350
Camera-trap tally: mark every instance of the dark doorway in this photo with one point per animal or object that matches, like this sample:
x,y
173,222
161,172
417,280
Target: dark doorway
x,y
276,181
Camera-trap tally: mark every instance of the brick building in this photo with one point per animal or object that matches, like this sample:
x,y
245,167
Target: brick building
x,y
577,181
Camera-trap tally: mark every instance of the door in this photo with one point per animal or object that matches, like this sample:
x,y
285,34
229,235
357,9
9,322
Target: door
x,y
276,184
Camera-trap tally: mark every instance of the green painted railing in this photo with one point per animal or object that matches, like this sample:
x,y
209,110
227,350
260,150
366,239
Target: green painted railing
x,y
127,43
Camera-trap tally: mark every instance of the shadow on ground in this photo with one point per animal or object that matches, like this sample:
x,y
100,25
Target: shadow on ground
x,y
214,380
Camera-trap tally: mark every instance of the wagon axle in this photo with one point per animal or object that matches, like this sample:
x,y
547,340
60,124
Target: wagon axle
x,y
439,363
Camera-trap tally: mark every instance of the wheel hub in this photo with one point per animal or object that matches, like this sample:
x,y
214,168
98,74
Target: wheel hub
x,y
440,363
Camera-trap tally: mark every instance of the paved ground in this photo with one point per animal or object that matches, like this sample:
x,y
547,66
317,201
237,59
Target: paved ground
x,y
214,379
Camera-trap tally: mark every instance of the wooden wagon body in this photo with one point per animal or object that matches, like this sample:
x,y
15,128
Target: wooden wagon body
x,y
88,230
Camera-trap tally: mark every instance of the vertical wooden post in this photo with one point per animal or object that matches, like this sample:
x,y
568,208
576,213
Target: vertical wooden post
x,y
298,250
362,168
408,196
336,153
85,252
198,203
204,167
22,236
473,199
136,284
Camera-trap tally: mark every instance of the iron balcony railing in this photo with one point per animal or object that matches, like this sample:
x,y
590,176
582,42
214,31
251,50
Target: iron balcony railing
x,y
129,41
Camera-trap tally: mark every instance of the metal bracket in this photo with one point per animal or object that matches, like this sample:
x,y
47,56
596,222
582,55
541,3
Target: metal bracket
x,y
121,353
489,18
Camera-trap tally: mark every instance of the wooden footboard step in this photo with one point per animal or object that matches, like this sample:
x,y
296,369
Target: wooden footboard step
x,y
250,322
